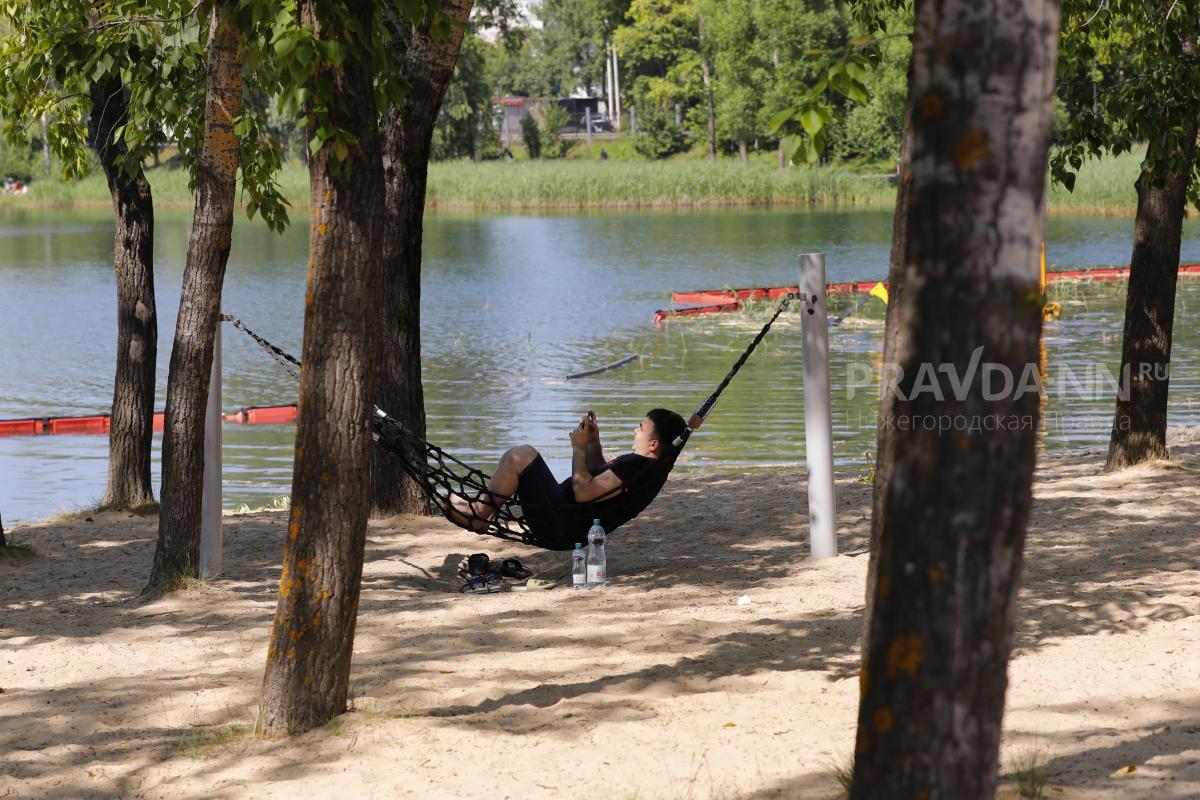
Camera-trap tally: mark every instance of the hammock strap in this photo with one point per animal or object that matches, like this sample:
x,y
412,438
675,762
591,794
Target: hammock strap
x,y
706,407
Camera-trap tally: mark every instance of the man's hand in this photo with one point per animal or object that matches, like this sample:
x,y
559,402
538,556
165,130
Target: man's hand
x,y
579,438
589,424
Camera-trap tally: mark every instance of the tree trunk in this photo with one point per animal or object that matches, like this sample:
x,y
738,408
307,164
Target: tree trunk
x,y
706,77
46,165
1139,430
895,326
957,501
3,541
308,661
132,431
743,154
407,137
178,551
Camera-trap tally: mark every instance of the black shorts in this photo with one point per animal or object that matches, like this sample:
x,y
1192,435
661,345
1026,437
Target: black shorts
x,y
548,507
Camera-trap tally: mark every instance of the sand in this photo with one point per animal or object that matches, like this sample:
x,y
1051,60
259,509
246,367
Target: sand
x,y
660,686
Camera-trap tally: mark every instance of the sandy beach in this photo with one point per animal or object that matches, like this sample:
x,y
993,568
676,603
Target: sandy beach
x,y
660,686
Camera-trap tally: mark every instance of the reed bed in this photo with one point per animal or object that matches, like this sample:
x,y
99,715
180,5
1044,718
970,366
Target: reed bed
x,y
1104,187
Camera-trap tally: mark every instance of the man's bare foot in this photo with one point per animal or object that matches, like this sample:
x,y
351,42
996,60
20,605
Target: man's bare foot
x,y
473,515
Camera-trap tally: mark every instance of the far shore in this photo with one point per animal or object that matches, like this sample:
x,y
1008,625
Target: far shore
x,y
457,206
1105,188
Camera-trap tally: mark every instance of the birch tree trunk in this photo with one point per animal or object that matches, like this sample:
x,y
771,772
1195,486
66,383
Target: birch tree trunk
x,y
407,138
131,432
177,553
706,78
308,662
957,501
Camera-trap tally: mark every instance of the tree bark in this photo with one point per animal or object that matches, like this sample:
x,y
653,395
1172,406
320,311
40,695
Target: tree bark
x,y
308,662
1139,431
132,431
706,78
895,326
177,553
407,138
957,501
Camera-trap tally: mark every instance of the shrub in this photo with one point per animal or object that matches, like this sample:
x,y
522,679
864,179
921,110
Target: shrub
x,y
659,136
531,134
554,118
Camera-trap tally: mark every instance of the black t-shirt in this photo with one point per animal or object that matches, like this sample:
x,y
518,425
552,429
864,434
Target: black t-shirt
x,y
642,477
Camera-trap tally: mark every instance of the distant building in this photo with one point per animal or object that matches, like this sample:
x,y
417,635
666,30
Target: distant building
x,y
527,17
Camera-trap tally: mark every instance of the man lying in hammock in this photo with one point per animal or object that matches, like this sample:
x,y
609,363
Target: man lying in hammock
x,y
614,492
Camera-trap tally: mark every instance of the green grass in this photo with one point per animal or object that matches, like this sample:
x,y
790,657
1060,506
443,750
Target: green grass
x,y
15,550
211,740
578,184
1029,774
1103,187
582,181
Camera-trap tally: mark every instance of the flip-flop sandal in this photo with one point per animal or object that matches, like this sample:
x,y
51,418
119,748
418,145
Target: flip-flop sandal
x,y
533,585
483,584
477,564
512,568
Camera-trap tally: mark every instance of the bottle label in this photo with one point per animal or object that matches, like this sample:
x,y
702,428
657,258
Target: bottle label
x,y
595,573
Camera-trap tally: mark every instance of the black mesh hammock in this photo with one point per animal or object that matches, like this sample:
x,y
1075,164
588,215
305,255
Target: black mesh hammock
x,y
441,476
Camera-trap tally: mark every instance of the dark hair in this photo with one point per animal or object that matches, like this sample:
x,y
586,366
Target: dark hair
x,y
667,428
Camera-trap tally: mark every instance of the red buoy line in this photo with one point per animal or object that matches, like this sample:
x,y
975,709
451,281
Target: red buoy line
x,y
102,423
716,301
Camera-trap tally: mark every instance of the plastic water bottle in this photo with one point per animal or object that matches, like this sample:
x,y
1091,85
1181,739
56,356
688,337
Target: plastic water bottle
x,y
597,559
579,567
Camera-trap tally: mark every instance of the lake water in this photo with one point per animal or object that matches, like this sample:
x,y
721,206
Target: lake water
x,y
511,305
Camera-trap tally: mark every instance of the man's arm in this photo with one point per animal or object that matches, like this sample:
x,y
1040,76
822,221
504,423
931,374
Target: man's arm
x,y
595,456
585,445
588,487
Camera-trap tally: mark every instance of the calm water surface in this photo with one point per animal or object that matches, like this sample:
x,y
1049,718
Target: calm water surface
x,y
511,305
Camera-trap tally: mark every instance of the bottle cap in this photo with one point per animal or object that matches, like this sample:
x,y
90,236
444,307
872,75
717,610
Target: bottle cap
x,y
579,544
596,522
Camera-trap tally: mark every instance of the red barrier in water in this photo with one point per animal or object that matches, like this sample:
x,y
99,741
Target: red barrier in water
x,y
20,427
712,301
96,424
102,423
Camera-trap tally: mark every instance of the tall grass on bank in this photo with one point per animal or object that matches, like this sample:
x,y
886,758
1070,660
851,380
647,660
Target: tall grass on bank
x,y
1103,187
573,184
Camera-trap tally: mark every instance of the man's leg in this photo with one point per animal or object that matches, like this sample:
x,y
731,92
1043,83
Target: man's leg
x,y
474,513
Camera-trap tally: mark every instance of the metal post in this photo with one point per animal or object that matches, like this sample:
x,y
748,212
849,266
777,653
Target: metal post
x,y
608,95
616,89
587,123
210,506
633,120
818,419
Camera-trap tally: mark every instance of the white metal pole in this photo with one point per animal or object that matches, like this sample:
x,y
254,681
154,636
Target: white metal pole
x,y
210,506
608,84
616,88
818,418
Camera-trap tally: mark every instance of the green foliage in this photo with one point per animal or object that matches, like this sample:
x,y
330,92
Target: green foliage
x,y
554,118
658,135
812,116
1126,78
573,40
19,160
467,105
521,70
660,51
531,134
